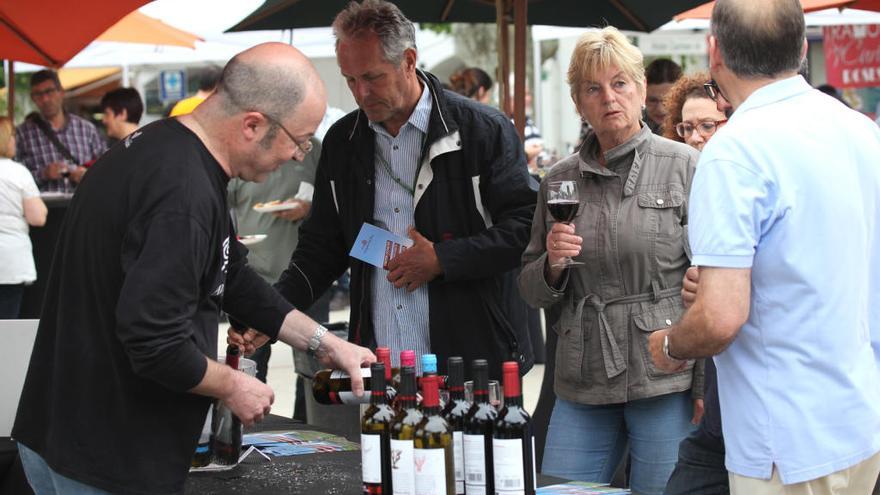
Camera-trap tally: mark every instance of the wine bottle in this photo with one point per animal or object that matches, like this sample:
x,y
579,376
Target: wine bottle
x,y
375,437
334,387
455,411
477,438
433,457
383,354
513,446
403,430
225,426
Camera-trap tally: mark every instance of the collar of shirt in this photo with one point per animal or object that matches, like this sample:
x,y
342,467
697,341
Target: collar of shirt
x,y
618,160
418,119
772,93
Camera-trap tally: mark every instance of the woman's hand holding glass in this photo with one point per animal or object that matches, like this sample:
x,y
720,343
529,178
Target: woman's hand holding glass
x,y
562,244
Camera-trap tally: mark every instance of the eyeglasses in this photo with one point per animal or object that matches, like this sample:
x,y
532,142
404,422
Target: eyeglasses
x,y
706,128
46,92
712,90
304,148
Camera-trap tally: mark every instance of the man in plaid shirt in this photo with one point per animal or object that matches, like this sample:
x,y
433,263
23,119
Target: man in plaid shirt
x,y
37,151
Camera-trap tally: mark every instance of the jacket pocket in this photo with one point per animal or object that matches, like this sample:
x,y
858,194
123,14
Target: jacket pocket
x,y
570,349
660,210
647,323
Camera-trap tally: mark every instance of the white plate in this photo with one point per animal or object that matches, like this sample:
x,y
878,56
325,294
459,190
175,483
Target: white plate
x,y
267,208
249,240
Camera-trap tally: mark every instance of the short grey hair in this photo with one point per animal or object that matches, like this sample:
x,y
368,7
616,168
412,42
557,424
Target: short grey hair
x,y
271,89
384,20
763,41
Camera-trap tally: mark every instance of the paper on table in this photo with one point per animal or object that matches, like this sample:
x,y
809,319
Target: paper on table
x,y
378,246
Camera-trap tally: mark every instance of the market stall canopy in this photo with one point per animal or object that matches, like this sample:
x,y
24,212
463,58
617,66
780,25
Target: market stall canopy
x,y
631,15
705,11
140,28
50,32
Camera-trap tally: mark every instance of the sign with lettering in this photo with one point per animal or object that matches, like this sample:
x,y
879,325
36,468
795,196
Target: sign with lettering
x,y
852,55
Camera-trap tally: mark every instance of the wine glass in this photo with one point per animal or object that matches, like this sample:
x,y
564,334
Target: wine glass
x,y
563,203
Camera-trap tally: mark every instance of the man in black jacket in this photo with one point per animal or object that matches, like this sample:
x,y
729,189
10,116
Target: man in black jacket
x,y
425,163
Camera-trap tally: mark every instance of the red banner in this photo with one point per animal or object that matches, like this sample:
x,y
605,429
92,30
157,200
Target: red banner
x,y
852,56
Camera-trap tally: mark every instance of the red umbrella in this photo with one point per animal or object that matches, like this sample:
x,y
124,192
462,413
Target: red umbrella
x,y
51,32
865,5
705,11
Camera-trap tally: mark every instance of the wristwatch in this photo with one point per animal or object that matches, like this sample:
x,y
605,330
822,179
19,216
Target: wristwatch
x,y
666,349
315,341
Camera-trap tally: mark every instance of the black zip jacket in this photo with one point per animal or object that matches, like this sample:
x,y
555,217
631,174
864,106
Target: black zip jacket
x,y
474,199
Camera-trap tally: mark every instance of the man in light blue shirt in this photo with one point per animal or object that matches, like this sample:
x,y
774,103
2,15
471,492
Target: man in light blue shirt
x,y
784,226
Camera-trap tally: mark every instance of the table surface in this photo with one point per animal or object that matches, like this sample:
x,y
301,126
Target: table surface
x,y
325,473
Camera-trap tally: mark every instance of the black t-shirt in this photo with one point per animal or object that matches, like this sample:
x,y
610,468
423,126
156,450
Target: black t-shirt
x,y
145,262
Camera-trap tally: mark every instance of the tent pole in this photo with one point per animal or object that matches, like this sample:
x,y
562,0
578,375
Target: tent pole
x,y
519,51
10,90
503,75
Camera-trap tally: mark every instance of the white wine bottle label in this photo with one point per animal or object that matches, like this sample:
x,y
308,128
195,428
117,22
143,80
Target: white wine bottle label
x,y
341,375
430,467
474,464
402,472
458,455
509,466
371,458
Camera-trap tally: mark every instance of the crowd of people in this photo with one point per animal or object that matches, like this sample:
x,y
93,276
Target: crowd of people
x,y
726,235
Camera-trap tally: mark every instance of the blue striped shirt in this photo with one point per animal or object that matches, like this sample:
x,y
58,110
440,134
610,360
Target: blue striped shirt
x,y
400,318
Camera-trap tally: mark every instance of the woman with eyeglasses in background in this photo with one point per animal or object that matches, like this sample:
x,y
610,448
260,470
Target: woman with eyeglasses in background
x,y
693,116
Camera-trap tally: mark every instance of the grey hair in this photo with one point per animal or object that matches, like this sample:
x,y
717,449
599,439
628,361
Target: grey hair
x,y
759,42
395,32
268,88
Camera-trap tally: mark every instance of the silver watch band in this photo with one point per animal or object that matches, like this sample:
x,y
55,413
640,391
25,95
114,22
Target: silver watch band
x,y
315,341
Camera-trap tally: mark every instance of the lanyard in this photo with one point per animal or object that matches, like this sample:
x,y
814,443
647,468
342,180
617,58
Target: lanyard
x,y
410,189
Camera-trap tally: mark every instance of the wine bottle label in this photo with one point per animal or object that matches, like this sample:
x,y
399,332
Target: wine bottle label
x,y
458,455
508,466
341,375
430,470
474,463
402,475
371,458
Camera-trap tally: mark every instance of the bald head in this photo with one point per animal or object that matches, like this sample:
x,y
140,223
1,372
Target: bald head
x,y
272,78
759,38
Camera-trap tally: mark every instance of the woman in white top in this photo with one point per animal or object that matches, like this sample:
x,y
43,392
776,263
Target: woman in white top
x,y
20,206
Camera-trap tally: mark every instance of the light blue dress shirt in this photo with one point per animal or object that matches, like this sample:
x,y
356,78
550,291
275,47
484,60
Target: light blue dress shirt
x,y
791,188
400,318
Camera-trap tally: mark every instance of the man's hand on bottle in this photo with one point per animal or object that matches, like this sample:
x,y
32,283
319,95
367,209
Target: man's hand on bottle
x,y
338,353
249,398
248,341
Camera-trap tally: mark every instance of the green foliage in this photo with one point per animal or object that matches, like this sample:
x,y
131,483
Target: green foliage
x,y
437,27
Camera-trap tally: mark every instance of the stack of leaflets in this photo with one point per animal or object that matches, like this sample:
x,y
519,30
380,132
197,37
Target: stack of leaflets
x,y
581,488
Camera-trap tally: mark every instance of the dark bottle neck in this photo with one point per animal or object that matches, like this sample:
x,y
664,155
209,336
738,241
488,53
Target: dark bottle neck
x,y
377,380
407,395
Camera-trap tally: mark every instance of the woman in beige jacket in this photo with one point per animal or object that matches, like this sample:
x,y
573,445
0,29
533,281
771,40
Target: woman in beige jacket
x,y
631,235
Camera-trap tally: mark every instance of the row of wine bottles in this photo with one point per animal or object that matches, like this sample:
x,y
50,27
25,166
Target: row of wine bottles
x,y
220,441
464,447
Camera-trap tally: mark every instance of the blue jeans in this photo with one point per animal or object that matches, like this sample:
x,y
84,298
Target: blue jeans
x,y
586,443
45,481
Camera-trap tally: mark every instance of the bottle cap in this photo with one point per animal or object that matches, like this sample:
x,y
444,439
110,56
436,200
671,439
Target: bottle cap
x,y
510,370
455,369
429,364
377,377
480,370
408,358
430,394
383,354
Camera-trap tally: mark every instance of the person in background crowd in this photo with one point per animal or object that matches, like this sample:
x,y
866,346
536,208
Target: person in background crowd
x,y
425,163
474,83
700,467
661,74
795,338
20,206
692,116
633,188
207,82
53,142
122,109
146,261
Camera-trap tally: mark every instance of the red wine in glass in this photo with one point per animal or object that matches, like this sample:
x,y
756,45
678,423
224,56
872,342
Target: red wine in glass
x,y
563,203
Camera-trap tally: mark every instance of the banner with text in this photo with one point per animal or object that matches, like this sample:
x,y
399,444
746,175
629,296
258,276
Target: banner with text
x,y
852,55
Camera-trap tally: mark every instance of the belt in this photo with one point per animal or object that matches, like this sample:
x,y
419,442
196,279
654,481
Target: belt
x,y
615,364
